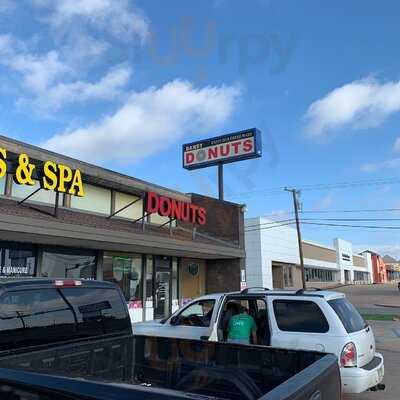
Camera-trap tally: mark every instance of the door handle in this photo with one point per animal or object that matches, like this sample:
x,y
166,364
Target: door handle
x,y
316,396
204,337
319,347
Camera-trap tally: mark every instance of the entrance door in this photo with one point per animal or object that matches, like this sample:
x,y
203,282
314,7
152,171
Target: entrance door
x,y
277,277
347,276
162,287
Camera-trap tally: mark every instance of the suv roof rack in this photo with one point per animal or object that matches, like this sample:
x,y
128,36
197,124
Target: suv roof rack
x,y
245,291
301,291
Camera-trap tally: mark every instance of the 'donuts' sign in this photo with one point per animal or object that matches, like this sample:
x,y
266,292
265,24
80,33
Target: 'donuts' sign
x,y
51,176
180,210
222,149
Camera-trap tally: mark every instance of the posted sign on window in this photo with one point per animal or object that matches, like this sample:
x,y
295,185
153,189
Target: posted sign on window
x,y
222,149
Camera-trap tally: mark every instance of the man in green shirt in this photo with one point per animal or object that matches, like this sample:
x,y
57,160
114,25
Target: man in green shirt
x,y
241,327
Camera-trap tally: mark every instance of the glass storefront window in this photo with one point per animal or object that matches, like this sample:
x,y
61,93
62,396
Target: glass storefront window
x,y
287,276
2,185
42,196
17,259
159,220
69,264
126,271
134,211
319,275
174,278
162,289
96,199
149,278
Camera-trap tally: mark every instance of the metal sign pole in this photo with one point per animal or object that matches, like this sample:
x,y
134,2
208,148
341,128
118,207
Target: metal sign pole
x,y
221,181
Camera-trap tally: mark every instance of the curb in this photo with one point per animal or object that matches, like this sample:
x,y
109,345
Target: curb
x,y
387,305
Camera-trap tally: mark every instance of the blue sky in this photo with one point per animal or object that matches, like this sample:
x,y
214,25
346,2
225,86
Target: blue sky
x,y
124,83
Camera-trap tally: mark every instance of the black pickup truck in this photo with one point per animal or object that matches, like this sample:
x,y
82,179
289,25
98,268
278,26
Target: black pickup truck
x,y
72,339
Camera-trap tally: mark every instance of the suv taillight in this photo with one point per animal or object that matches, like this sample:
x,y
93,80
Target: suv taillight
x,y
348,358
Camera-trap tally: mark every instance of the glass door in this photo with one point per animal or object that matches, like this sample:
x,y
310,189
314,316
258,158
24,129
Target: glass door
x,y
162,287
126,272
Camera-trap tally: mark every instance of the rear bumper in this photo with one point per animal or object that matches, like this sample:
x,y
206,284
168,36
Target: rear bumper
x,y
358,380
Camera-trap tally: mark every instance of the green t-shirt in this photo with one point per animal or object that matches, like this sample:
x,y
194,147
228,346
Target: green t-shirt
x,y
240,326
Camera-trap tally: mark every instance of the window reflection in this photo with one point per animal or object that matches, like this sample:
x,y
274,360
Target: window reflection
x,y
17,259
126,272
35,317
64,265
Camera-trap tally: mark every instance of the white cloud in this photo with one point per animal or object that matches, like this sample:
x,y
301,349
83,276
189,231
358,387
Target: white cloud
x,y
397,145
148,122
82,50
110,87
49,79
117,17
38,71
387,164
359,104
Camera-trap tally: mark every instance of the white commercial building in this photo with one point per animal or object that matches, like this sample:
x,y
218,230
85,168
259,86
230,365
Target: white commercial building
x,y
272,258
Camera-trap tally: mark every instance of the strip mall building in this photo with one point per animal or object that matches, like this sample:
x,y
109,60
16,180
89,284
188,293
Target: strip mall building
x,y
272,259
64,218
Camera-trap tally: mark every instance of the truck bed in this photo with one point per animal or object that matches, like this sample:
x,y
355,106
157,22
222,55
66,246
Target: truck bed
x,y
204,368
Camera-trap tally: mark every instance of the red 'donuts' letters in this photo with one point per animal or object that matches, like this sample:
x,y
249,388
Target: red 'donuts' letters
x,y
180,210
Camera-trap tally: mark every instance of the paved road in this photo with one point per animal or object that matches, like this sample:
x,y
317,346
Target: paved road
x,y
370,298
387,333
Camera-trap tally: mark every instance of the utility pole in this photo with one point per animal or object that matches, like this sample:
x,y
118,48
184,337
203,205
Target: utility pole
x,y
296,212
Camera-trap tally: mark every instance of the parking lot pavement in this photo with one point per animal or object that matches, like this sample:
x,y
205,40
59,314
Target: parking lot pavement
x,y
371,299
392,368
387,335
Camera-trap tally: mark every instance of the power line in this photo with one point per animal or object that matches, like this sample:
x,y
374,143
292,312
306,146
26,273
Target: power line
x,y
321,224
270,227
271,223
324,219
354,226
351,211
351,219
324,186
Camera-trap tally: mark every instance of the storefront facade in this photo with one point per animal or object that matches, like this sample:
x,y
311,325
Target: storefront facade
x,y
272,259
160,246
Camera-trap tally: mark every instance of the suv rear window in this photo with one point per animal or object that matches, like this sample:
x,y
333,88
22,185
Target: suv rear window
x,y
347,313
300,316
42,316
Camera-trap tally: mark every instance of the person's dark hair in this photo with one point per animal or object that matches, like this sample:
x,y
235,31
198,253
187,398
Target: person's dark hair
x,y
232,306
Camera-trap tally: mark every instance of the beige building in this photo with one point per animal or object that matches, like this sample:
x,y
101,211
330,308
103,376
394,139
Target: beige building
x,y
272,259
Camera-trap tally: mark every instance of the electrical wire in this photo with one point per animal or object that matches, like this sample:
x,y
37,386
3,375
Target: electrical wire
x,y
304,220
322,224
325,186
269,227
350,219
271,223
354,226
350,211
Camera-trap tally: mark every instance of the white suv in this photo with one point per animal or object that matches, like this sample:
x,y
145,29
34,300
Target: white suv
x,y
311,320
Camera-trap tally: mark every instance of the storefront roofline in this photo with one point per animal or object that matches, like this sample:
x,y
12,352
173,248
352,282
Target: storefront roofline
x,y
92,174
58,233
132,248
319,245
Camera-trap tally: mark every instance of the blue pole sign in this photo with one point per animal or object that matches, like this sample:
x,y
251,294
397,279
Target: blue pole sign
x,y
223,149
